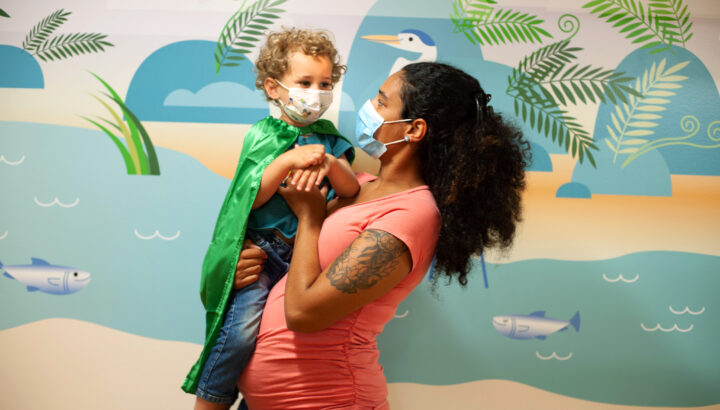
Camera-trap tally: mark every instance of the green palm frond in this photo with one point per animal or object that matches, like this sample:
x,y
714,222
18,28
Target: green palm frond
x,y
545,66
546,61
586,83
4,14
677,20
67,45
43,29
466,14
634,121
559,126
646,27
243,30
482,25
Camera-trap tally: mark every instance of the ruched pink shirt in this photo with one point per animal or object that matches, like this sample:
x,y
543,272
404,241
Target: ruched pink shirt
x,y
337,368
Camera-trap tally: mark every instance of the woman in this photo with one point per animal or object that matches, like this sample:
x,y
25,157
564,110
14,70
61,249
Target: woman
x,y
449,185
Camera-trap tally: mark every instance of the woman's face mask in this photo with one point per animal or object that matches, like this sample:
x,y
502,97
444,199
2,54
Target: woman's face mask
x,y
305,105
368,121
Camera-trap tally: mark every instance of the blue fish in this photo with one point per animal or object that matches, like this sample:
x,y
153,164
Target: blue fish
x,y
42,276
534,325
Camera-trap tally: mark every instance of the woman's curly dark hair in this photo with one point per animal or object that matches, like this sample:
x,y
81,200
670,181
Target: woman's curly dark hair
x,y
473,161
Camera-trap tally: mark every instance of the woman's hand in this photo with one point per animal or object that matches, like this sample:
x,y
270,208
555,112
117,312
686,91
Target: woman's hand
x,y
306,204
249,265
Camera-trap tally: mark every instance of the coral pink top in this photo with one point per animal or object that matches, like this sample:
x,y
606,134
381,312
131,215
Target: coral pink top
x,y
337,368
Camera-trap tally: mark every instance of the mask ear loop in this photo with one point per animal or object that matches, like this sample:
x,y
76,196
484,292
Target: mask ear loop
x,y
406,139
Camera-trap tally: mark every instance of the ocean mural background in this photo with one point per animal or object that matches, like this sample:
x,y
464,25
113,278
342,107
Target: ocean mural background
x,y
121,124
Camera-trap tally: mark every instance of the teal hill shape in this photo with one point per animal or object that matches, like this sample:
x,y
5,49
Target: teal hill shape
x,y
183,74
19,69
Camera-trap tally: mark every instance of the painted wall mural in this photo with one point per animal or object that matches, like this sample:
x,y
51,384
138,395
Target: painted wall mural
x,y
609,298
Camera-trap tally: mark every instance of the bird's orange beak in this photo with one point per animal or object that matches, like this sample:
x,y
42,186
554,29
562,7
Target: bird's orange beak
x,y
384,39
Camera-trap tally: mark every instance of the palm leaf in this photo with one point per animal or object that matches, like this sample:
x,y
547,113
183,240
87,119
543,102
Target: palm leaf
x,y
467,12
576,84
649,28
67,45
587,83
676,20
43,29
557,125
244,28
482,25
638,116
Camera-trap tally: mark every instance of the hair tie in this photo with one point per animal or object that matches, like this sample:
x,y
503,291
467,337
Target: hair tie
x,y
481,101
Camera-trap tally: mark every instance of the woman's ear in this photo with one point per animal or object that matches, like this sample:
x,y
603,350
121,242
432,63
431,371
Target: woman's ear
x,y
271,88
417,131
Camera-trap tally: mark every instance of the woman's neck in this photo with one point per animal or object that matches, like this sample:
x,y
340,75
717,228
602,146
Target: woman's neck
x,y
400,172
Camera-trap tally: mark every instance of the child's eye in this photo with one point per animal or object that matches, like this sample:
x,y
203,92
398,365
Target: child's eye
x,y
305,83
325,86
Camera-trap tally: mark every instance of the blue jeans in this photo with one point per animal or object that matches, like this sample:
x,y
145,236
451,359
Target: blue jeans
x,y
236,340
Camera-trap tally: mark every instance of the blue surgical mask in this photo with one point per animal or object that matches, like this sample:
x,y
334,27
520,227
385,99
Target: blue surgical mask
x,y
368,122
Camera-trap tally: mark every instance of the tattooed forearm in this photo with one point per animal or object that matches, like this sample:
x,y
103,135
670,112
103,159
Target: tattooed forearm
x,y
371,257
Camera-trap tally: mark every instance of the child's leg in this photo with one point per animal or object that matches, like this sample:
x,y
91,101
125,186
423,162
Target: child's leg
x,y
236,340
235,343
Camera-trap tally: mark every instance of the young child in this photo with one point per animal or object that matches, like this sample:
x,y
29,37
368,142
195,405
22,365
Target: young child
x,y
297,69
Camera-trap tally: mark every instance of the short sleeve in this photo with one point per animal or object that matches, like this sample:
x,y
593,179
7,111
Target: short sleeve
x,y
416,222
341,146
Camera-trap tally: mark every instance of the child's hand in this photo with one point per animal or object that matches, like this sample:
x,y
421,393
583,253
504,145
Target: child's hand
x,y
305,156
305,179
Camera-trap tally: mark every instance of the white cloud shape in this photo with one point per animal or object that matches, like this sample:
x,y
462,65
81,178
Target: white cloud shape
x,y
346,102
225,94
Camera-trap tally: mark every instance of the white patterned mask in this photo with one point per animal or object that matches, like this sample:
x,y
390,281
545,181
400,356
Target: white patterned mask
x,y
305,105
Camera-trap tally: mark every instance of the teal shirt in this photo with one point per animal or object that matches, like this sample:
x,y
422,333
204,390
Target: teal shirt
x,y
275,213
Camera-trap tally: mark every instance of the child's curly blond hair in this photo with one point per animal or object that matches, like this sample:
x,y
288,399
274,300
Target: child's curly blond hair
x,y
273,62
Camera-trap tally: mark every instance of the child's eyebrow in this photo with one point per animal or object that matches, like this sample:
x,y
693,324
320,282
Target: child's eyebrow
x,y
382,94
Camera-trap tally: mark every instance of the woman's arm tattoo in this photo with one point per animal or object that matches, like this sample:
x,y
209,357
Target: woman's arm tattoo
x,y
371,257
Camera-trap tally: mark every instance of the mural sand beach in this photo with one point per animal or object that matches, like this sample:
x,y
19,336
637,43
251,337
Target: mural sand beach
x,y
114,328
127,371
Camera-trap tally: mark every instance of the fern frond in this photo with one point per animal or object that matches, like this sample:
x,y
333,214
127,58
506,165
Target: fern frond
x,y
557,125
587,83
467,12
244,28
67,45
646,28
676,18
638,116
482,25
43,29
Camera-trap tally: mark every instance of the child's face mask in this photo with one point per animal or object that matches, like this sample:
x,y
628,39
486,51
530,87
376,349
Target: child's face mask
x,y
305,105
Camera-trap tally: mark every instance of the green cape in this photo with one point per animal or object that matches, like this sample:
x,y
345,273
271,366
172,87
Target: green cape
x,y
264,141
